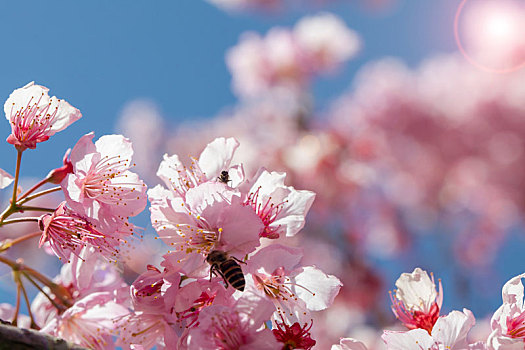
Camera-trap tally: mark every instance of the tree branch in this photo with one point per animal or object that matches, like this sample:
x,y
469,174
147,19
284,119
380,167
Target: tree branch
x,y
14,338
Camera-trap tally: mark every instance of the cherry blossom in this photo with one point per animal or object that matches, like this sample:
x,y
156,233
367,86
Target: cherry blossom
x,y
235,327
259,64
142,330
56,176
195,296
416,302
7,313
148,292
213,217
508,322
281,208
349,344
68,232
287,59
101,186
275,272
214,159
449,332
294,336
153,296
90,322
84,275
326,41
35,117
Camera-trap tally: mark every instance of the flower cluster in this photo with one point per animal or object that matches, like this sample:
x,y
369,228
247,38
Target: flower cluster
x,y
229,269
287,59
417,305
232,277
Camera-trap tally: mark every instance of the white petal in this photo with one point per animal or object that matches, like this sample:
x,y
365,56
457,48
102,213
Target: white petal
x,y
117,148
5,179
512,291
169,170
416,290
325,287
415,339
268,182
452,330
349,344
37,94
292,217
217,156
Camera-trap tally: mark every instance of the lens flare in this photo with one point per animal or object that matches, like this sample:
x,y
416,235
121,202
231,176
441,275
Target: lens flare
x,y
493,32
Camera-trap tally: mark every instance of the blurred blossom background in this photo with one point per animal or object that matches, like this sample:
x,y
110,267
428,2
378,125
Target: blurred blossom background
x,y
407,118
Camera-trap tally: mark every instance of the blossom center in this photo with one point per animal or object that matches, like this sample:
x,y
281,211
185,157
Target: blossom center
x,y
31,121
294,336
192,313
197,239
189,177
227,331
100,182
516,326
266,210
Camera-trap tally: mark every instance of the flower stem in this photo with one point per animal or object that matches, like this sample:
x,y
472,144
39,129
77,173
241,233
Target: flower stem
x,y
23,200
9,243
17,306
33,324
34,188
14,221
24,208
11,208
60,308
58,290
17,175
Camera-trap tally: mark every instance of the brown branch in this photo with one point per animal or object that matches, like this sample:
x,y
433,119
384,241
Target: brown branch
x,y
14,338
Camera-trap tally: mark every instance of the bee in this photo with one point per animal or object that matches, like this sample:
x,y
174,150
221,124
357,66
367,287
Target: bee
x,y
224,177
228,267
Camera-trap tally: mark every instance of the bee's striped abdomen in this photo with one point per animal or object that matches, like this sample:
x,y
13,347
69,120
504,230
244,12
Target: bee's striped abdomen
x,y
232,273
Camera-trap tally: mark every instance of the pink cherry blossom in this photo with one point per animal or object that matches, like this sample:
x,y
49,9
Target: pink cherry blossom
x,y
275,272
195,296
101,186
7,313
287,59
90,322
294,336
34,116
449,332
56,176
349,344
416,302
215,158
68,232
142,330
260,64
508,322
213,217
147,292
154,290
236,327
281,208
84,275
326,41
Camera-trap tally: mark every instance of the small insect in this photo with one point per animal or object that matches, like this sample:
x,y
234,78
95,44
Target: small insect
x,y
224,177
228,267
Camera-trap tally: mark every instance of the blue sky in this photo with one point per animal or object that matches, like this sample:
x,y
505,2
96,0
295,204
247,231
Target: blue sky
x,y
100,54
